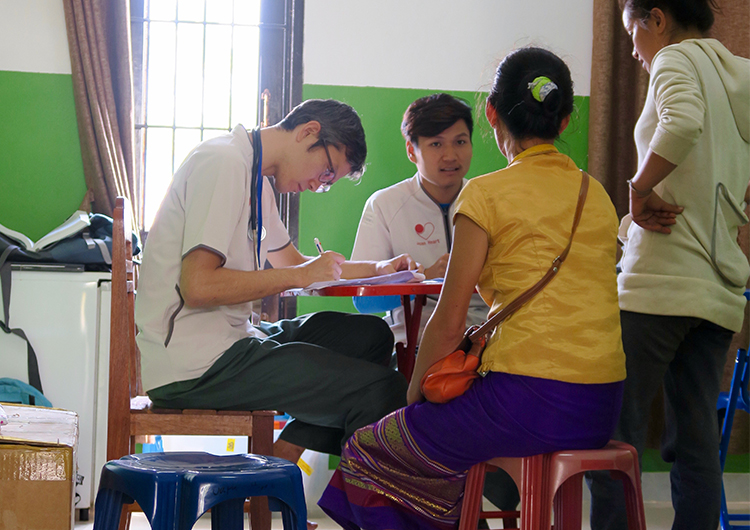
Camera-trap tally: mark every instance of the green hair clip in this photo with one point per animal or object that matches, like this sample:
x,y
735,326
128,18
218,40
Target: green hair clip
x,y
541,87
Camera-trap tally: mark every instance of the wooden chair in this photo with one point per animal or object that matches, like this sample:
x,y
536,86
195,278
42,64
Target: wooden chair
x,y
130,413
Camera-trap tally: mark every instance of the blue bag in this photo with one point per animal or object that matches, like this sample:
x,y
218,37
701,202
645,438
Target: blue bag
x,y
15,391
91,246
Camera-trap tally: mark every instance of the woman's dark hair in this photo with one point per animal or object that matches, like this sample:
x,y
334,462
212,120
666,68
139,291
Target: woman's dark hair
x,y
511,94
687,13
340,126
431,115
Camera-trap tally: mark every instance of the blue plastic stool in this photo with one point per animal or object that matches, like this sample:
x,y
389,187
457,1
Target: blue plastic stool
x,y
175,489
736,398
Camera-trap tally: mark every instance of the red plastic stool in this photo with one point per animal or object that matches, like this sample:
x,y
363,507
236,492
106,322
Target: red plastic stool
x,y
556,478
529,476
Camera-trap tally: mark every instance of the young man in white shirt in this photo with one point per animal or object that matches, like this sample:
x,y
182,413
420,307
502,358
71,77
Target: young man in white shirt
x,y
203,267
415,216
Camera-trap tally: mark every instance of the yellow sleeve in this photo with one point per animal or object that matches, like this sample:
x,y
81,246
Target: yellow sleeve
x,y
472,202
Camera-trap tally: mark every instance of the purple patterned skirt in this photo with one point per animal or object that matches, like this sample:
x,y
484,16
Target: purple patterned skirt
x,y
407,471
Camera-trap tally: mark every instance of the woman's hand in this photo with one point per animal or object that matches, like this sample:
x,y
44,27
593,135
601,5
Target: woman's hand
x,y
652,212
648,210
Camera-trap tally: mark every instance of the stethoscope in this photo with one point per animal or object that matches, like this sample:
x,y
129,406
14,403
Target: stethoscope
x,y
256,195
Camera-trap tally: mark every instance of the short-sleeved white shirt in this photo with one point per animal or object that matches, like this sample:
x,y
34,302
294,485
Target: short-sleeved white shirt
x,y
404,219
207,206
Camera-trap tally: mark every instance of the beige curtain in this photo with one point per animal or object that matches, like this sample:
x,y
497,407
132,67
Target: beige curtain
x,y
618,91
101,61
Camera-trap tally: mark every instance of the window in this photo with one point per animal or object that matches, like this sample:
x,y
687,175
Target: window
x,y
200,78
197,74
200,67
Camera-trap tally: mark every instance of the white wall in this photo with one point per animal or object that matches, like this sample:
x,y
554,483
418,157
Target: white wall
x,y
33,37
433,44
438,44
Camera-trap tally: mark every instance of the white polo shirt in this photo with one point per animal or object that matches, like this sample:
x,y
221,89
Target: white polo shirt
x,y
404,219
207,206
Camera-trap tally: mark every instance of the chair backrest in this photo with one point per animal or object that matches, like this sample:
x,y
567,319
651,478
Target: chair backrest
x,y
124,369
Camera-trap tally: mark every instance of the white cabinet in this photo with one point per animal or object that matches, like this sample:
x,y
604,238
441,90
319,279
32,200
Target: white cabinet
x,y
66,317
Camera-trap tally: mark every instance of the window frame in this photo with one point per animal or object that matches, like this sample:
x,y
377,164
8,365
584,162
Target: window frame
x,y
280,73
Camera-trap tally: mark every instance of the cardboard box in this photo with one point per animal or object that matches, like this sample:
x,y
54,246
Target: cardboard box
x,y
38,468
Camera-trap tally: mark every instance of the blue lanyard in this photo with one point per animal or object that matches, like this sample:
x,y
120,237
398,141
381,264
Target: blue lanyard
x,y
259,198
256,206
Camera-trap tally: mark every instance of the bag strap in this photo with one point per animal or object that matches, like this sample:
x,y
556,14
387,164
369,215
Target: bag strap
x,y
527,295
5,279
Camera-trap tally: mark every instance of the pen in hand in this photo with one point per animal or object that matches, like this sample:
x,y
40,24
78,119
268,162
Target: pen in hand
x,y
337,258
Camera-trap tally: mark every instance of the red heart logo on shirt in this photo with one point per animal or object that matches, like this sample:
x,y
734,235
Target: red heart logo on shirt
x,y
424,230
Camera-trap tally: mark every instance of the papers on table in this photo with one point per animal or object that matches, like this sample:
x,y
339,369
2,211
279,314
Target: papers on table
x,y
396,277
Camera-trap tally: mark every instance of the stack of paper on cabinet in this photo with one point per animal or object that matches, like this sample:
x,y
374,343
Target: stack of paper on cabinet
x,y
38,468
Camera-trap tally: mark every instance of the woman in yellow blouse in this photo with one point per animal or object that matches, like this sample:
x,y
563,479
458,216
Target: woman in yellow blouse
x,y
554,368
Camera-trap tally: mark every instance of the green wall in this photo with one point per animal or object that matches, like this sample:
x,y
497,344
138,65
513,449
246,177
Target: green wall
x,y
41,171
333,217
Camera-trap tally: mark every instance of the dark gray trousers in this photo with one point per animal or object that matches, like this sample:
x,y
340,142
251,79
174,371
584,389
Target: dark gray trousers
x,y
687,355
328,370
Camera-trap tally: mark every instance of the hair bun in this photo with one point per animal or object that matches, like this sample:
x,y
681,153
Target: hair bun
x,y
532,93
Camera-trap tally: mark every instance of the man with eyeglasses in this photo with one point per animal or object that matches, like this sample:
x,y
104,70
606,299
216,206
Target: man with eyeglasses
x,y
203,266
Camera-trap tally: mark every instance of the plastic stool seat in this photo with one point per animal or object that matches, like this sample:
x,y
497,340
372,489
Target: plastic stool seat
x,y
556,478
175,489
566,470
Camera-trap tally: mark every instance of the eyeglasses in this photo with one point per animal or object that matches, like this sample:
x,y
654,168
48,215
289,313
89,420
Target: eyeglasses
x,y
329,175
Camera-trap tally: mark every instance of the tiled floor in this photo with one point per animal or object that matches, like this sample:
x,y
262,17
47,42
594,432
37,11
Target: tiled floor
x,y
656,493
658,517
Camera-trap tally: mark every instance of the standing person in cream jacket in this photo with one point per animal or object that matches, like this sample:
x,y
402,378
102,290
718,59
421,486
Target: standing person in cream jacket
x,y
683,272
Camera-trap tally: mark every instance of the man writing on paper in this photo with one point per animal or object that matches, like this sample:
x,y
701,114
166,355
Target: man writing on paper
x,y
203,265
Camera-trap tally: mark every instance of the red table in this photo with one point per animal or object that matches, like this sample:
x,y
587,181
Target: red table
x,y
405,353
